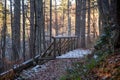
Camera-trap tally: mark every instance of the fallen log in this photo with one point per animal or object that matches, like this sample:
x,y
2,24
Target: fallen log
x,y
10,74
14,72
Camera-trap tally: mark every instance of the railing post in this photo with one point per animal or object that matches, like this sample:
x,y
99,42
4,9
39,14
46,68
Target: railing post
x,y
60,47
68,44
74,43
77,44
54,46
64,47
71,46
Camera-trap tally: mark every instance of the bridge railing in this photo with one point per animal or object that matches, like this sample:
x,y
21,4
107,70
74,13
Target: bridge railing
x,y
59,45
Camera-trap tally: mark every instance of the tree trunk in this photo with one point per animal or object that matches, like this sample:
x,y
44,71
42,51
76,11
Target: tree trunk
x,y
83,25
16,31
78,20
4,32
78,13
63,31
117,44
50,20
39,24
11,12
94,27
88,30
32,29
100,25
109,11
69,22
56,20
43,30
23,17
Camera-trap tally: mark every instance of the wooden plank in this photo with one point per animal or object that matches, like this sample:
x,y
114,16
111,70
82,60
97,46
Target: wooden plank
x,y
43,55
62,37
47,58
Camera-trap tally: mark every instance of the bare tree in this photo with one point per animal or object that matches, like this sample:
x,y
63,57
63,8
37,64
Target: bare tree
x,y
50,20
88,31
63,23
32,29
69,18
56,19
43,28
23,26
11,12
39,25
83,25
77,18
78,14
16,31
4,29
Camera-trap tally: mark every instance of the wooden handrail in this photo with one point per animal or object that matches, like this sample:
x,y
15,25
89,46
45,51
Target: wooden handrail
x,y
64,37
44,53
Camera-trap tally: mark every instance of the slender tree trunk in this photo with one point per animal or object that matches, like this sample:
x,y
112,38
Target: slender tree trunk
x,y
78,20
83,25
40,22
4,31
50,20
100,25
56,19
43,28
11,12
32,29
69,22
94,27
36,28
88,32
23,17
63,31
78,14
16,31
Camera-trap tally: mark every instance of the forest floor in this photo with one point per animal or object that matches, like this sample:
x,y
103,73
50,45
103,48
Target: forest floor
x,y
52,70
107,69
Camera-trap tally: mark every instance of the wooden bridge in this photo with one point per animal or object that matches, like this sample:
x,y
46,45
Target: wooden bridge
x,y
58,46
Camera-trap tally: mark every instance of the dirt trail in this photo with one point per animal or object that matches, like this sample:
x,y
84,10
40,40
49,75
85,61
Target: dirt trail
x,y
51,70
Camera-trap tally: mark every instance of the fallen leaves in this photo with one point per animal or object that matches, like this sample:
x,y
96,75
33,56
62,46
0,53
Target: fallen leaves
x,y
51,70
109,68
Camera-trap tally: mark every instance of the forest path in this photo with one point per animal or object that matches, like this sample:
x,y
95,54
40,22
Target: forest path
x,y
54,69
51,70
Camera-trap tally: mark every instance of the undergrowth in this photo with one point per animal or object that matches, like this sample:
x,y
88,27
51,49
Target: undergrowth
x,y
103,47
81,71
